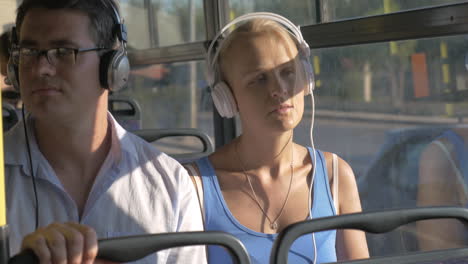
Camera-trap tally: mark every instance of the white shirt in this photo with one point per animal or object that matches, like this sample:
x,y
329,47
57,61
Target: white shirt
x,y
138,190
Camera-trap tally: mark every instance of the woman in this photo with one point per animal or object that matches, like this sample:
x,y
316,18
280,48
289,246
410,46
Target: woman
x,y
260,182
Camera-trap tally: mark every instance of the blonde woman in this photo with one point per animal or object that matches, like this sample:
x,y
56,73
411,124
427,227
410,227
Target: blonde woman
x,y
261,182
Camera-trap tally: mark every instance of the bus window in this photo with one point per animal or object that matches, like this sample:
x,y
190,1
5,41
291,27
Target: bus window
x,y
159,23
172,95
301,12
379,106
307,12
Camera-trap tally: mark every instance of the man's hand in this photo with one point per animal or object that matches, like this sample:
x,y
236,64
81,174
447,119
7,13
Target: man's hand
x,y
62,243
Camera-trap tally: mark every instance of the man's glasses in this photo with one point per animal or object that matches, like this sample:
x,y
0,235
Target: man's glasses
x,y
55,56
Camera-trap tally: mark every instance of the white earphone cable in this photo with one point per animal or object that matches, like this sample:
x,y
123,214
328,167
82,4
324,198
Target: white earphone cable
x,y
313,170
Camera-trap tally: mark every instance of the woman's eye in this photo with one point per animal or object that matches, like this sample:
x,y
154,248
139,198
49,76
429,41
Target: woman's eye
x,y
289,72
261,77
258,79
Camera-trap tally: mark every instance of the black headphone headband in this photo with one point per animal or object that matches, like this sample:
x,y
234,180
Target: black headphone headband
x,y
120,29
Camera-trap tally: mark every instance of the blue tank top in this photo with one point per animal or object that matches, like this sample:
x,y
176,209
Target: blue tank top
x,y
219,218
461,151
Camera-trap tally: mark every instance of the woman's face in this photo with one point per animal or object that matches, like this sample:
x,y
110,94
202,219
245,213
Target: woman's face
x,y
267,82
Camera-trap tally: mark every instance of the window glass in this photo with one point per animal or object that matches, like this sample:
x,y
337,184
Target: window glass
x,y
8,14
381,107
305,12
339,9
160,23
166,96
301,12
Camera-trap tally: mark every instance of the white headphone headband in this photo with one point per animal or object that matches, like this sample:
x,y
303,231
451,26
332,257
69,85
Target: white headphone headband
x,y
222,96
294,30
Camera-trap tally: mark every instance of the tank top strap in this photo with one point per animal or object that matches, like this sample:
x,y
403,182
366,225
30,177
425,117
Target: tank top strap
x,y
208,174
323,201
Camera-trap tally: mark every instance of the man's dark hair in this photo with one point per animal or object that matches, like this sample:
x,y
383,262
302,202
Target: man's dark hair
x,y
100,13
5,45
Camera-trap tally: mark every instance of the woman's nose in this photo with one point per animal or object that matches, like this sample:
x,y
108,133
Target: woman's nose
x,y
278,87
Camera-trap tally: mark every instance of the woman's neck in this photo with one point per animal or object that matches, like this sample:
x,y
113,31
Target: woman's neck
x,y
257,152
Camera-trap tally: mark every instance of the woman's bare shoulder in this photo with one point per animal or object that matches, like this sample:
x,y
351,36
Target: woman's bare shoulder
x,y
344,169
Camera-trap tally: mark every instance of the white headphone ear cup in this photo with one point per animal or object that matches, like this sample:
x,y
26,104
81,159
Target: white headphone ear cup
x,y
309,75
304,49
304,53
224,100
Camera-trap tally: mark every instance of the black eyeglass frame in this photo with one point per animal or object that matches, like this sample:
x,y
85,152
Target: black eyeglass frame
x,y
16,53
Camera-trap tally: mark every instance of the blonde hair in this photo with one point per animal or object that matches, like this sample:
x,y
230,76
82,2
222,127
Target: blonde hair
x,y
255,26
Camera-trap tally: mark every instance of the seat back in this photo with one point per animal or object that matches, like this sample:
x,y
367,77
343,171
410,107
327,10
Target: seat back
x,y
126,111
153,135
373,222
133,248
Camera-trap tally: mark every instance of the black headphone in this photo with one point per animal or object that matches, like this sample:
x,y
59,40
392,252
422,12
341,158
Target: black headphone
x,y
114,66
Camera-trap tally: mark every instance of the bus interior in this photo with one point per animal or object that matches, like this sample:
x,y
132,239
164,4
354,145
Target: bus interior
x,y
391,76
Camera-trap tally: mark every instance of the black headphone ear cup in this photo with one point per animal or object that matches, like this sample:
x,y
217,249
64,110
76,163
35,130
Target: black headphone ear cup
x,y
224,100
104,66
114,70
119,71
12,75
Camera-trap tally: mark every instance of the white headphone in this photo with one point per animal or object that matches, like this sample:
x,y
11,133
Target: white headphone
x,y
222,96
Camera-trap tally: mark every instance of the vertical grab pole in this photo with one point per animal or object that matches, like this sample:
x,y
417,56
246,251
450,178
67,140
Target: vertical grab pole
x,y
4,234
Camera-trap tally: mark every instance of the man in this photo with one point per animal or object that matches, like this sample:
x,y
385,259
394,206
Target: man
x,y
77,175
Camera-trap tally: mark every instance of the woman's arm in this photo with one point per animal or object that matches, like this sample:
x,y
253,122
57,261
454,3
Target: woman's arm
x,y
350,244
438,185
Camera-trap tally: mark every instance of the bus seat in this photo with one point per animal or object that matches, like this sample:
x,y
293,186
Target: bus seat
x,y
126,111
376,222
133,248
174,146
9,116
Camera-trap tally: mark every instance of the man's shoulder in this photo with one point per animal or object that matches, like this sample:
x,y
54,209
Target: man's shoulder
x,y
15,133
